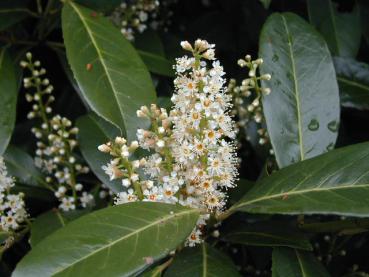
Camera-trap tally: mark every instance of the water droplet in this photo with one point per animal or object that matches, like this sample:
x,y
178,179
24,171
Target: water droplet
x,y
275,58
330,146
313,125
333,126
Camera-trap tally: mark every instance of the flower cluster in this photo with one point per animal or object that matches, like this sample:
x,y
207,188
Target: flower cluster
x,y
12,207
247,99
190,162
137,15
56,142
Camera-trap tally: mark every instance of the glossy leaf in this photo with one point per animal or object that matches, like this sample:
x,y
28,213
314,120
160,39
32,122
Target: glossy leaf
x,y
342,31
47,223
116,241
100,5
21,165
353,80
294,263
94,131
8,96
304,100
108,70
334,183
271,233
203,260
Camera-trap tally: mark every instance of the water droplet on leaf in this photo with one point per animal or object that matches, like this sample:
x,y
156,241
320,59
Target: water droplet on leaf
x,y
333,126
313,125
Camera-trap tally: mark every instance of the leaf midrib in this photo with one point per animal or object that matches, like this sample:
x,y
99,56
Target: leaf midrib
x,y
289,193
352,83
300,263
100,56
204,260
296,89
161,220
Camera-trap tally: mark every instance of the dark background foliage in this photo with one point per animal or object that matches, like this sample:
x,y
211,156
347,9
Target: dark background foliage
x,y
234,26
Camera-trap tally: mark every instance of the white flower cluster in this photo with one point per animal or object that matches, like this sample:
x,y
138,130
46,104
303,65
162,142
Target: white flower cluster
x,y
247,99
55,154
137,15
191,162
12,207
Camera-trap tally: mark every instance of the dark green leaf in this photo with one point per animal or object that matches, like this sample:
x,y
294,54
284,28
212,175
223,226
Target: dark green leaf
x,y
334,183
151,50
341,30
12,12
47,223
100,5
240,190
8,96
271,233
115,241
294,263
202,260
94,131
68,72
353,80
157,64
266,3
304,102
111,75
21,165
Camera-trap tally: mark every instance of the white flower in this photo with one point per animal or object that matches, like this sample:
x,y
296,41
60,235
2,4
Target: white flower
x,y
124,197
67,204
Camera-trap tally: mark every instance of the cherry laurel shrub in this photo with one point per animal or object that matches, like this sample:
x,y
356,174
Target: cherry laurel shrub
x,y
134,141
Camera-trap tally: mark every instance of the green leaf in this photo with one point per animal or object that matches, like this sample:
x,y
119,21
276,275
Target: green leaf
x,y
266,3
116,241
111,75
157,64
94,131
304,102
294,263
271,233
8,96
21,165
151,50
342,31
12,12
100,5
202,260
334,183
68,72
47,223
353,80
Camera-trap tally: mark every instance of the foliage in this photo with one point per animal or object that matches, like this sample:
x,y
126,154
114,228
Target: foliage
x,y
122,161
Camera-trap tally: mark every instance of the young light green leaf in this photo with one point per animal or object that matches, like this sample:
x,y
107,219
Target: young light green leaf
x,y
8,96
270,233
288,262
342,31
334,183
21,165
304,102
112,77
94,131
203,260
116,241
353,80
